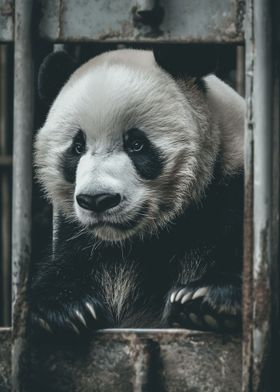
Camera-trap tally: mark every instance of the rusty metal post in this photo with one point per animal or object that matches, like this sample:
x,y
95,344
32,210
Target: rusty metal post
x,y
22,181
240,70
5,178
261,211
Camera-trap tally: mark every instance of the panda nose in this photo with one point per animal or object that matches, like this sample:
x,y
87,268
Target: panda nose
x,y
100,202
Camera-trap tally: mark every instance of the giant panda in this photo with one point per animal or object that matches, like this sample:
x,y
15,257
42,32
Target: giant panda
x,y
141,156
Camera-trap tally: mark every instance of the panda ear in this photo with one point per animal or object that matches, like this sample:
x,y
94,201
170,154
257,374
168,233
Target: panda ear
x,y
187,60
53,74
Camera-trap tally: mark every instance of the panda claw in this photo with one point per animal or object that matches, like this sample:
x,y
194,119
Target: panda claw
x,y
186,298
73,326
201,292
179,295
91,310
172,296
81,317
45,325
209,320
195,319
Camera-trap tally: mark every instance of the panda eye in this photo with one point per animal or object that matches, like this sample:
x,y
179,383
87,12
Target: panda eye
x,y
79,148
79,143
136,146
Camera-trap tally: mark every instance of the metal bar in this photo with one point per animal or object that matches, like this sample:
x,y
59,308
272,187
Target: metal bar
x,y
5,191
172,21
261,253
22,181
114,21
143,353
240,70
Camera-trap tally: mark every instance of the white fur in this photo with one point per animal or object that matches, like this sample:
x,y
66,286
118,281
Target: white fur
x,y
228,110
115,92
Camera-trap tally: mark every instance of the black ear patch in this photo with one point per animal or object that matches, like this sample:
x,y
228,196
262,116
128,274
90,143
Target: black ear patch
x,y
187,60
53,74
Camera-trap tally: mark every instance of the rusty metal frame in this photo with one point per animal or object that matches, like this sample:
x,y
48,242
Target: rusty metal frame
x,y
149,21
261,256
5,180
261,308
22,179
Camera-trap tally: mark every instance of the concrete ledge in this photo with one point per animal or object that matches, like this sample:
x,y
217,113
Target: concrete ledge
x,y
138,360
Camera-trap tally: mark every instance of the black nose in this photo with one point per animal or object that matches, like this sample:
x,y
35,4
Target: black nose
x,y
100,202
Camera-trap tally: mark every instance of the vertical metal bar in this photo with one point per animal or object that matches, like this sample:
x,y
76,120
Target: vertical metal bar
x,y
240,70
5,191
260,254
145,357
22,181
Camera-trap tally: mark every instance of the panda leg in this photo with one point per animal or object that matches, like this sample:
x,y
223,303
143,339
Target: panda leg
x,y
205,306
67,317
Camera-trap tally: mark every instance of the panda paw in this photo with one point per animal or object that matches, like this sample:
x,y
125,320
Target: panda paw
x,y
205,307
68,318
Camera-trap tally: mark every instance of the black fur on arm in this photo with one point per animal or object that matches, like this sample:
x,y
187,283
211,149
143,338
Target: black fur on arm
x,y
207,292
63,295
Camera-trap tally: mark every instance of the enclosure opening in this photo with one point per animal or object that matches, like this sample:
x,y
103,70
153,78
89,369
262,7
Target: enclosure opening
x,y
230,68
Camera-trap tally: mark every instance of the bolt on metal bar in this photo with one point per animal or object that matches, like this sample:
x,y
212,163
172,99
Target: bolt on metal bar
x,y
261,252
22,180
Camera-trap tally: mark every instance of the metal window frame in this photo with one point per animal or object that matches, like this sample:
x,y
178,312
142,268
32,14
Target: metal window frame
x,y
261,253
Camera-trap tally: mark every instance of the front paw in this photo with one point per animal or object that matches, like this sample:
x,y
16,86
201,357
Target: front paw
x,y
67,317
205,307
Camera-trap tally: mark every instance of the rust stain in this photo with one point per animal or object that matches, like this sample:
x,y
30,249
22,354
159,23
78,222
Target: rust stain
x,y
60,19
262,289
7,9
240,16
20,311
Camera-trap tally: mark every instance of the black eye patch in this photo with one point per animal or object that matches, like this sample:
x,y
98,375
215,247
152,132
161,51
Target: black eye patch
x,y
70,159
146,157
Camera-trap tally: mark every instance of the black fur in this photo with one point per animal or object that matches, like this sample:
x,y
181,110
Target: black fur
x,y
201,248
70,159
53,74
148,161
187,60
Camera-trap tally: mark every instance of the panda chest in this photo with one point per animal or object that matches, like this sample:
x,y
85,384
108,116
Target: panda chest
x,y
128,294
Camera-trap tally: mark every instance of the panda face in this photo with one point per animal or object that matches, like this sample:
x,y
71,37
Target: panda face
x,y
121,151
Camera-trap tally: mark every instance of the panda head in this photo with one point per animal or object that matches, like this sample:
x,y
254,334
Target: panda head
x,y
126,145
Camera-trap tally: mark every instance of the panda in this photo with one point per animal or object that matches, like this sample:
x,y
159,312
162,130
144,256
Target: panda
x,y
141,157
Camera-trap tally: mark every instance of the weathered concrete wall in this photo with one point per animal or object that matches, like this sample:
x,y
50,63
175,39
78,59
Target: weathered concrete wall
x,y
5,359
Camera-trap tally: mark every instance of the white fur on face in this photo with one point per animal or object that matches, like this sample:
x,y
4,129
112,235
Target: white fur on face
x,y
109,173
104,99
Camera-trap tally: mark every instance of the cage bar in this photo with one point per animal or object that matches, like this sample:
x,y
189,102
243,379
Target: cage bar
x,y
261,211
22,180
5,198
